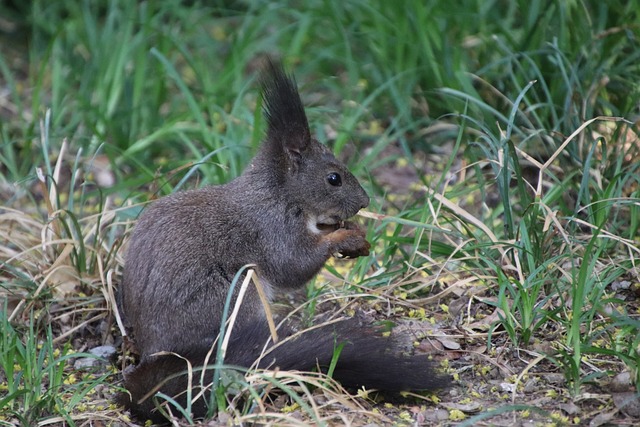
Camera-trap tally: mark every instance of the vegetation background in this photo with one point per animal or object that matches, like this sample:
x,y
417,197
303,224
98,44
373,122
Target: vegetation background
x,y
498,140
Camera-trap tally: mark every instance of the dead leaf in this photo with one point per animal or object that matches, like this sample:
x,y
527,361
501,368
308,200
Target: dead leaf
x,y
628,403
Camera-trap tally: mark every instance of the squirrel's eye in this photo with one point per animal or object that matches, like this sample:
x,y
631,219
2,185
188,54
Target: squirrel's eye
x,y
334,179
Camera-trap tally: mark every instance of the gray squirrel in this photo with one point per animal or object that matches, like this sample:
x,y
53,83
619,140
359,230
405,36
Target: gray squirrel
x,y
286,215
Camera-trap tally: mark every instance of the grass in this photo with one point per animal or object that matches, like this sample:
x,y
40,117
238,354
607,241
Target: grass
x,y
37,382
499,141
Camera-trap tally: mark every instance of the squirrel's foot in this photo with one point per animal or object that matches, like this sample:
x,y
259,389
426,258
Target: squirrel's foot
x,y
348,241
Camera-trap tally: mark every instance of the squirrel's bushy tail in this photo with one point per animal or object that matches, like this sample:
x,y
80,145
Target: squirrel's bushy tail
x,y
364,359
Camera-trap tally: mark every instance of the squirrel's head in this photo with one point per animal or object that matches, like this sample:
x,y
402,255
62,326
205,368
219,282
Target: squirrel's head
x,y
304,171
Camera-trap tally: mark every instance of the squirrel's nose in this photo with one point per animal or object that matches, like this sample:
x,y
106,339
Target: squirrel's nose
x,y
365,202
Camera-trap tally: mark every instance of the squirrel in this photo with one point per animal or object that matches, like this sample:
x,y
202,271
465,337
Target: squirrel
x,y
285,215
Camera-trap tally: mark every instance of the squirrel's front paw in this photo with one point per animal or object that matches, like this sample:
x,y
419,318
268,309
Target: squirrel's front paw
x,y
348,242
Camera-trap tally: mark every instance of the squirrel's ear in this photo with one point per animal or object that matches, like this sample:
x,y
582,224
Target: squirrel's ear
x,y
287,124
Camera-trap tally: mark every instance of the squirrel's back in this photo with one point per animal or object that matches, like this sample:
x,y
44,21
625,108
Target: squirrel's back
x,y
176,269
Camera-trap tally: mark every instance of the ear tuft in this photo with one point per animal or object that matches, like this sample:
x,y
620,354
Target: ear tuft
x,y
283,109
